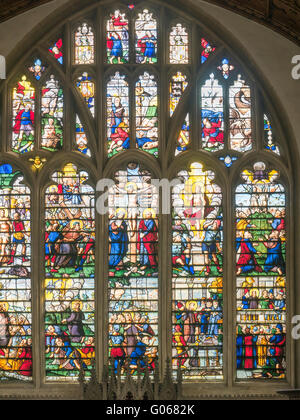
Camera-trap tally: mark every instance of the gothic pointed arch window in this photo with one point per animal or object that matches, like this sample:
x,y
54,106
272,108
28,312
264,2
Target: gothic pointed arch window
x,y
134,95
15,277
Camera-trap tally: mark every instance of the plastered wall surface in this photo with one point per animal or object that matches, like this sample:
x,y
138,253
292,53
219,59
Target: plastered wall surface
x,y
13,30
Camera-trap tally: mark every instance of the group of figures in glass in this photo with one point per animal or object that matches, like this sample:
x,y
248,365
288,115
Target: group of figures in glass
x,y
260,269
70,272
15,275
197,256
133,270
225,112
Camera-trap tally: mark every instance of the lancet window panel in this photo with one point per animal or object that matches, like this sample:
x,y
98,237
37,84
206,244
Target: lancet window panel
x,y
84,40
133,271
197,284
16,362
69,275
261,242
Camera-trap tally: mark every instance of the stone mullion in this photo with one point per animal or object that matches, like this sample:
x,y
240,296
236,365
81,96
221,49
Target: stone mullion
x,y
37,285
257,113
162,86
100,117
175,123
166,284
5,121
73,101
132,80
165,268
68,126
195,131
229,286
101,292
99,156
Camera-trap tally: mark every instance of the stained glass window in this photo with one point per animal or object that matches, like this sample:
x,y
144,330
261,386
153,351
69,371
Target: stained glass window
x,y
86,87
81,138
133,270
179,45
15,277
240,101
84,45
225,68
23,136
178,84
57,51
197,258
69,274
261,283
52,111
268,136
146,101
184,137
207,49
117,38
212,113
117,114
37,69
228,160
195,117
146,38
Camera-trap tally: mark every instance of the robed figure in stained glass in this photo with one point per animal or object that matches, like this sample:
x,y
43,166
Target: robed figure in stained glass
x,y
147,239
118,237
117,38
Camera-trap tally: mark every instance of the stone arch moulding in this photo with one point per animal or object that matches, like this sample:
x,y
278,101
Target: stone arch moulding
x,y
282,16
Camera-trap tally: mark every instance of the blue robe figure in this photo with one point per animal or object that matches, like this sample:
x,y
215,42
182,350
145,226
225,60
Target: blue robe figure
x,y
50,245
147,44
213,326
245,302
150,47
204,322
118,115
141,141
117,351
117,47
239,348
138,354
72,194
119,243
278,341
274,259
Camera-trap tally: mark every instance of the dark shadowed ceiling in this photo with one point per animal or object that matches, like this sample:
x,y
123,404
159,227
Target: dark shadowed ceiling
x,y
282,16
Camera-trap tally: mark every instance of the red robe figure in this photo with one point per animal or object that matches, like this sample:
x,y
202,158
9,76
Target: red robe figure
x,y
211,127
24,122
147,241
26,366
250,358
56,51
247,261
